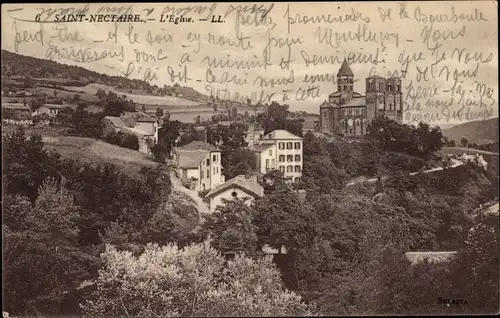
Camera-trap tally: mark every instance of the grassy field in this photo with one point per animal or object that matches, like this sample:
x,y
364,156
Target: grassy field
x,y
62,93
139,99
98,152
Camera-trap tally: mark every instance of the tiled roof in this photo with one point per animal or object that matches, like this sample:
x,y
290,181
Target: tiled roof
x,y
190,159
261,147
15,106
357,101
432,257
146,119
198,145
117,122
281,134
250,186
55,106
345,70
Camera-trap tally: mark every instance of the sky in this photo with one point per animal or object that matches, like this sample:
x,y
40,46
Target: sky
x,y
446,53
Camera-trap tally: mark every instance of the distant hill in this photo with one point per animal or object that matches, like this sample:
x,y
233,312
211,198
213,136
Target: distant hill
x,y
53,75
480,132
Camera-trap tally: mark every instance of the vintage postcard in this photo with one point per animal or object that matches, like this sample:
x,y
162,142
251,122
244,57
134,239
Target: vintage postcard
x,y
250,159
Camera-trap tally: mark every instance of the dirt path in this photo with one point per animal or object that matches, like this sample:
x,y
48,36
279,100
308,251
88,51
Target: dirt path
x,y
193,195
454,163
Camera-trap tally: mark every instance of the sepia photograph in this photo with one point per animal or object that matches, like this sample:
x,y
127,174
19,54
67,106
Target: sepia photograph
x,y
242,159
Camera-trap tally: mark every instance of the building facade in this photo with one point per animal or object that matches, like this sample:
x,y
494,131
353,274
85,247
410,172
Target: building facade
x,y
199,165
348,113
242,186
280,150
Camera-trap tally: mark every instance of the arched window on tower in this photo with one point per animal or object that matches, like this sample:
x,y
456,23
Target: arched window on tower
x,y
397,88
389,88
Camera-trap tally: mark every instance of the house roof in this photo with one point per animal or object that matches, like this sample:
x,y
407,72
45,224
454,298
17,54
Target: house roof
x,y
117,121
281,134
146,119
198,145
56,106
345,70
432,257
261,147
250,186
190,159
19,106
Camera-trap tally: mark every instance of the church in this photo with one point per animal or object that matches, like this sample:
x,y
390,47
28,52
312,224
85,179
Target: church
x,y
348,113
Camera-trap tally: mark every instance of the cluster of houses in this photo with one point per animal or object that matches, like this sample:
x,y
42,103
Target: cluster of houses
x,y
23,115
198,165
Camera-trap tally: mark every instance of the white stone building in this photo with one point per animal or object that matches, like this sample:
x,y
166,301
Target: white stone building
x,y
280,150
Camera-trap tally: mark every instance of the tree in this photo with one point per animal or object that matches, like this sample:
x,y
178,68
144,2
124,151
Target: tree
x,y
101,94
28,81
114,108
464,142
159,112
193,281
76,98
231,228
42,263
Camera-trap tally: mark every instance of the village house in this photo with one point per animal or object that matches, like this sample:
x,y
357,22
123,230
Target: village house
x,y
49,109
144,127
198,165
16,114
242,186
280,150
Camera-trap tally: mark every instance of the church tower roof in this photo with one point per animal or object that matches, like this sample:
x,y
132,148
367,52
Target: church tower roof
x,y
345,70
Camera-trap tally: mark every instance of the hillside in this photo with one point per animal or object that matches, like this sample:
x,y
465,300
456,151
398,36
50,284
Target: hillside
x,y
480,132
98,152
50,76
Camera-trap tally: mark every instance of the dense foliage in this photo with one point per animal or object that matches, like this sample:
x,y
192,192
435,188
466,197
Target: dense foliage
x,y
193,281
53,246
122,139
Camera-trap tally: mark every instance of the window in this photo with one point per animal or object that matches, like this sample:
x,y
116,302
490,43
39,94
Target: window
x,y
270,153
358,122
282,158
397,88
234,194
297,145
267,163
201,174
282,145
273,163
208,173
380,86
282,169
289,158
214,158
208,162
297,168
389,88
297,158
215,171
298,179
289,169
289,145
